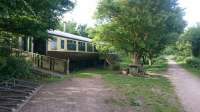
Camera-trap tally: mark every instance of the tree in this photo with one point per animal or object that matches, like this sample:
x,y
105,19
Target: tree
x,y
191,38
32,17
74,28
139,27
70,27
82,30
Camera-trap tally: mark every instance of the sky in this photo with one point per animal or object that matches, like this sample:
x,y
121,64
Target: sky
x,y
85,9
192,11
83,12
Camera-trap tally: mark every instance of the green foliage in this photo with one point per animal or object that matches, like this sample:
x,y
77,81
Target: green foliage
x,y
82,30
189,42
125,61
13,67
195,71
193,62
141,27
73,28
187,46
160,65
196,46
31,17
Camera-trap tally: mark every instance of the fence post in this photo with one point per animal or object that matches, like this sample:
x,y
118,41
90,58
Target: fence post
x,y
33,58
41,61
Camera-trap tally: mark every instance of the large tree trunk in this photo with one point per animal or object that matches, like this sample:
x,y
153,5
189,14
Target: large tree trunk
x,y
137,67
136,59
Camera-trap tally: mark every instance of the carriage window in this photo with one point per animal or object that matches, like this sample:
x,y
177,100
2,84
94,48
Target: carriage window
x,y
53,44
71,45
62,44
81,46
89,47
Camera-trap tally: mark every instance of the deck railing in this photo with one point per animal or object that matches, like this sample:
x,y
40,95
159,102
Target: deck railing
x,y
44,62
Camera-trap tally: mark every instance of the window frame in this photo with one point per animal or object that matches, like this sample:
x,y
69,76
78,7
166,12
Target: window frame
x,y
71,42
62,44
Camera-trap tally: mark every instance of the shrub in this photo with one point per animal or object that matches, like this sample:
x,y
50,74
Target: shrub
x,y
14,67
194,62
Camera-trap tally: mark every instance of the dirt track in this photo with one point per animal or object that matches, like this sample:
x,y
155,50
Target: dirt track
x,y
187,87
76,95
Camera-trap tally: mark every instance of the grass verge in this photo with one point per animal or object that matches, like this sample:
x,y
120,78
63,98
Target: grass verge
x,y
144,94
189,68
159,66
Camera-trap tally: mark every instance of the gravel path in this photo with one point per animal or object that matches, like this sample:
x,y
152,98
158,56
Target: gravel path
x,y
187,87
75,95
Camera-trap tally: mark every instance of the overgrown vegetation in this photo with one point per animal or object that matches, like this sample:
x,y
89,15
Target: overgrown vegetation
x,y
14,67
186,51
19,68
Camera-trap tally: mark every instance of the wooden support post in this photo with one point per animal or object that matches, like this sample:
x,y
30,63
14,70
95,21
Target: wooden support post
x,y
67,66
86,48
32,46
35,59
77,46
28,42
53,64
50,63
41,61
38,60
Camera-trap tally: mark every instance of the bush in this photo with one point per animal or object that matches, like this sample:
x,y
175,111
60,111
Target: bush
x,y
14,67
194,62
180,58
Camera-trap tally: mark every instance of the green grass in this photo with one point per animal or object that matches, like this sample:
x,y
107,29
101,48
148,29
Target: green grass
x,y
189,68
159,66
149,94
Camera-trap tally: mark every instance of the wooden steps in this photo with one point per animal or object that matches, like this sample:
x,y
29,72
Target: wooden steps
x,y
14,94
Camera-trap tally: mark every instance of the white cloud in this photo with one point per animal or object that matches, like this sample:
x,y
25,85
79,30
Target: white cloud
x,y
83,12
192,10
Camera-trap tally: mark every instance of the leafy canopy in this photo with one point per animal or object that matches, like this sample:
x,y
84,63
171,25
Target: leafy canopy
x,y
143,27
190,42
32,17
74,28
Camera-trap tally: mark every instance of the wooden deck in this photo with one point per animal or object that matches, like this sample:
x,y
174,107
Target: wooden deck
x,y
73,56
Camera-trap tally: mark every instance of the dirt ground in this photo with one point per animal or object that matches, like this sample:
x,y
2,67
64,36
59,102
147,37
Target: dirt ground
x,y
75,95
187,87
